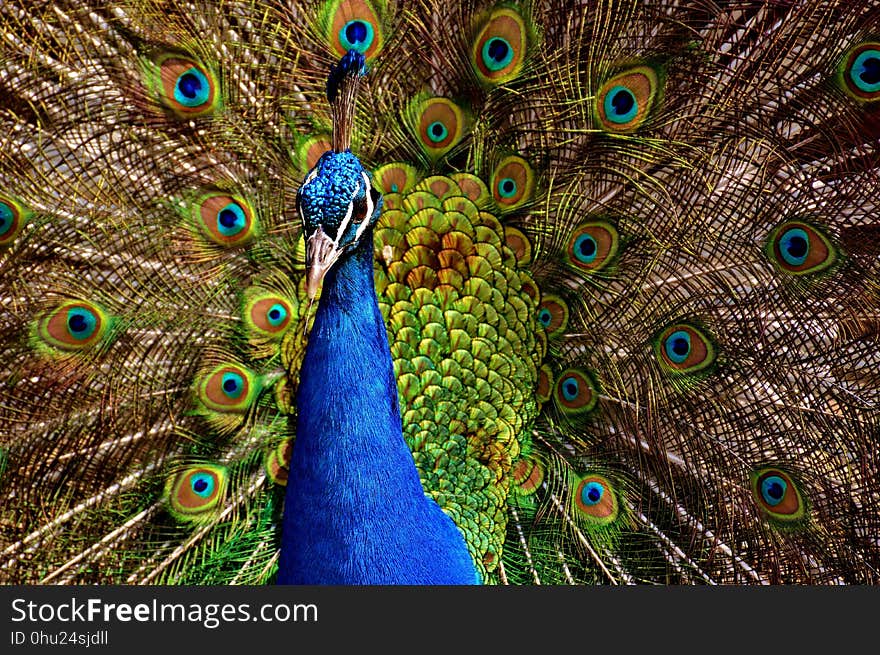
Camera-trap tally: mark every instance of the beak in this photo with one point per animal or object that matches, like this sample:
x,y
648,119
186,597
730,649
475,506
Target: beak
x,y
321,254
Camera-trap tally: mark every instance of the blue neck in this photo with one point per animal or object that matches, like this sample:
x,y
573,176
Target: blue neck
x,y
355,511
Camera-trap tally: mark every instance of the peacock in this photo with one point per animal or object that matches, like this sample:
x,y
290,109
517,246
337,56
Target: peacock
x,y
430,292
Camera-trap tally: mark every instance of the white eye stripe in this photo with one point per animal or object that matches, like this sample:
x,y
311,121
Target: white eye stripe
x,y
345,221
310,177
366,221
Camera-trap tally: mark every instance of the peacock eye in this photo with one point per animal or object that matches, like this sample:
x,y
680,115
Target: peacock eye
x,y
186,86
277,462
353,25
437,132
528,475
233,385
595,499
682,348
553,315
777,494
441,125
499,50
620,105
268,314
800,249
228,388
576,392
624,102
545,317
203,484
512,182
12,219
194,493
226,220
592,245
496,53
591,493
356,35
860,72
75,325
192,88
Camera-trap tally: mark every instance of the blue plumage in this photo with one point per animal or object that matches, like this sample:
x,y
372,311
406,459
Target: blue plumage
x,y
355,511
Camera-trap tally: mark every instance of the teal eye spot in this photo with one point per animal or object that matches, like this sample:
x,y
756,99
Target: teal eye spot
x,y
356,35
202,485
497,53
794,246
545,317
232,384
592,493
507,187
437,132
81,323
678,346
620,105
865,71
585,249
276,315
192,88
231,220
7,218
773,489
570,388
395,188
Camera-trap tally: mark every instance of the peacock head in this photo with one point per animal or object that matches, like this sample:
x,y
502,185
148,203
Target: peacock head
x,y
337,201
338,204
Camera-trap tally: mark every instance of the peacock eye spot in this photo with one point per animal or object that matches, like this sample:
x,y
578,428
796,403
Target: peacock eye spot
x,y
277,313
497,53
683,348
231,219
192,88
202,484
622,102
870,73
865,71
512,182
678,346
77,323
225,219
189,85
778,495
570,388
437,131
585,248
233,384
798,248
592,493
7,218
773,489
596,500
356,31
81,323
592,245
545,317
794,245
507,187
356,35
